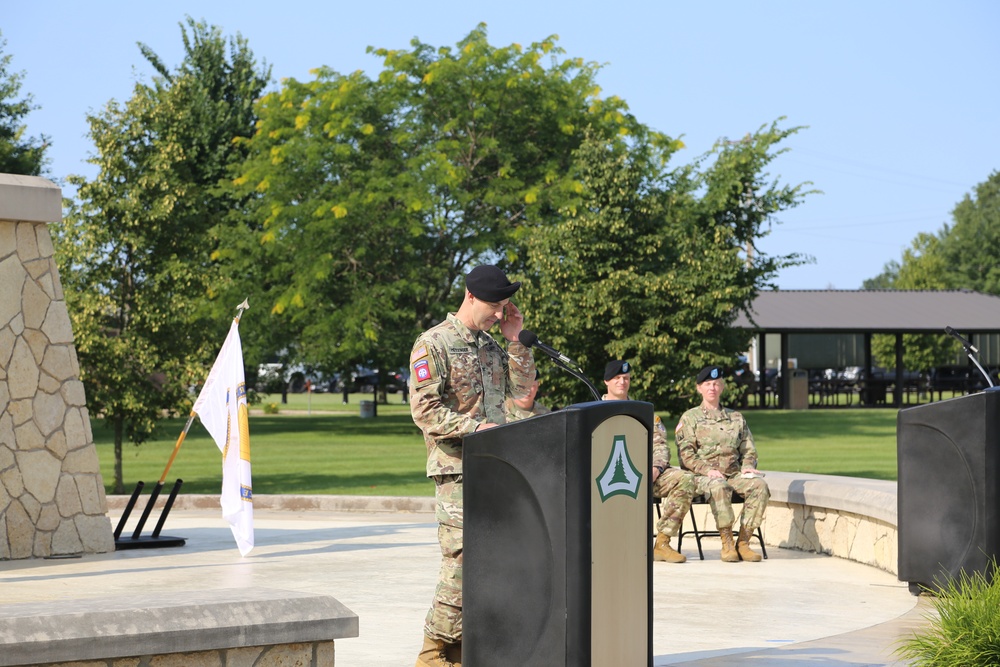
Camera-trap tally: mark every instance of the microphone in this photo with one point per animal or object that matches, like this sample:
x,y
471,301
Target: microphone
x,y
971,352
966,344
529,339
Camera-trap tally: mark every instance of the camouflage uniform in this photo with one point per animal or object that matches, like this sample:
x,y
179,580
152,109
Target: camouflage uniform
x,y
721,440
515,413
460,379
675,487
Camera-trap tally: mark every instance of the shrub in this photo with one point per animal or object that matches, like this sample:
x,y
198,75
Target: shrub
x,y
966,627
271,408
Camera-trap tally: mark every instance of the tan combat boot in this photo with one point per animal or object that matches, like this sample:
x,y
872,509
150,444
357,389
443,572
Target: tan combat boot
x,y
743,546
729,554
664,552
433,654
454,653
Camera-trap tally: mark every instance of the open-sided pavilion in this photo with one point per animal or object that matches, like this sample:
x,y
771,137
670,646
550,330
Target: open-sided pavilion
x,y
827,325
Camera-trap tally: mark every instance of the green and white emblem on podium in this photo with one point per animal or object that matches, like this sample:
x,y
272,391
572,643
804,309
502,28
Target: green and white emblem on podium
x,y
620,476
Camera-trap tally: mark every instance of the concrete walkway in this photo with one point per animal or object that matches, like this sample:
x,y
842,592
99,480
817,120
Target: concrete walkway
x,y
793,609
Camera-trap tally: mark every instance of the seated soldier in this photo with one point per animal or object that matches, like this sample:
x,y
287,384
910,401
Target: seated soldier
x,y
715,443
674,486
522,408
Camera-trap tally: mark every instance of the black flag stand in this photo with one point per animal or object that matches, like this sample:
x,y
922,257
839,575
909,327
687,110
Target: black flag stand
x,y
154,541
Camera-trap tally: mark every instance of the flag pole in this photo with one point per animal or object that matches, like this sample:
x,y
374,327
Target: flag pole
x,y
180,440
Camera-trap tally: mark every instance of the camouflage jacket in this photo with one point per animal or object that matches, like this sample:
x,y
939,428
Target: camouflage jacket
x,y
460,379
514,413
661,450
715,440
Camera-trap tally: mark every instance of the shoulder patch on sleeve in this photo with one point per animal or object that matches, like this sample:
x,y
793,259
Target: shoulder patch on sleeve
x,y
677,429
658,424
418,353
422,370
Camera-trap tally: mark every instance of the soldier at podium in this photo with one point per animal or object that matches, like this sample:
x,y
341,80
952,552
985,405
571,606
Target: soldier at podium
x,y
461,380
675,487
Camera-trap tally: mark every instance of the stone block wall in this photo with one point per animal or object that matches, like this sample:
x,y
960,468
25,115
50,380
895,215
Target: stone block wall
x,y
51,491
846,517
312,654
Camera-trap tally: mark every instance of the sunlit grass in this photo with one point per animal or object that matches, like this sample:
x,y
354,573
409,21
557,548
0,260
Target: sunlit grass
x,y
317,445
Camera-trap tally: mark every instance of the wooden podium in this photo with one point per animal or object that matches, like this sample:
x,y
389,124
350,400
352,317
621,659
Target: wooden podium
x,y
557,564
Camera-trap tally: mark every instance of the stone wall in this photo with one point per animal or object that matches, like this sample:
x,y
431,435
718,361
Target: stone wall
x,y
51,491
846,517
315,654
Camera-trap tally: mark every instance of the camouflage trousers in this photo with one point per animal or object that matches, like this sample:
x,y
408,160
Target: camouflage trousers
x,y
444,618
675,488
720,498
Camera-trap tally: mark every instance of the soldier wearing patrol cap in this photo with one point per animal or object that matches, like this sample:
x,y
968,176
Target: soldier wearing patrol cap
x,y
715,443
674,486
461,380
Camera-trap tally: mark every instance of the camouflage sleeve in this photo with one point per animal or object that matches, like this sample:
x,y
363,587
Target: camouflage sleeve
x,y
429,372
748,452
687,446
521,369
661,450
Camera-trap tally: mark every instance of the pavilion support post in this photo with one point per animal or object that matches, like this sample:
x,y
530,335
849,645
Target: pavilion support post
x,y
786,377
762,368
897,394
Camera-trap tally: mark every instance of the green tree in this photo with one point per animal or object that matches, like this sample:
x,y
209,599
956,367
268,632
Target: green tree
x,y
135,248
971,245
18,154
923,267
961,255
371,197
654,265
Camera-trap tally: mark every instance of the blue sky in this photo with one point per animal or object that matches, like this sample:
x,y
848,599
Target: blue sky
x,y
900,99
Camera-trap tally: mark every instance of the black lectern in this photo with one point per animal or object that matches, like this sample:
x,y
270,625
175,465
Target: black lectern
x,y
557,565
947,489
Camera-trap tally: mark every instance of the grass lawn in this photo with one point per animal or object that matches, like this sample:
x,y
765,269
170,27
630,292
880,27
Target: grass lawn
x,y
317,445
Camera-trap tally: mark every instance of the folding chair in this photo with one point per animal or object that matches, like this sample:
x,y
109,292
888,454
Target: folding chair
x,y
702,499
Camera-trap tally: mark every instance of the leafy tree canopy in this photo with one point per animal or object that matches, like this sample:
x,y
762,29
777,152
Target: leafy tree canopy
x,y
961,255
134,248
18,154
371,197
655,265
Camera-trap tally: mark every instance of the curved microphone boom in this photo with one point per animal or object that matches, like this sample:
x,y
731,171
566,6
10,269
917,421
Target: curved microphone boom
x,y
529,339
971,351
966,344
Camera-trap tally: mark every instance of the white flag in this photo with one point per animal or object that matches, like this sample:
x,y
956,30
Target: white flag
x,y
222,407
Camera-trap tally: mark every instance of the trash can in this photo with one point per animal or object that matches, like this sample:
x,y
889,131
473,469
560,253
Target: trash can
x,y
367,409
798,390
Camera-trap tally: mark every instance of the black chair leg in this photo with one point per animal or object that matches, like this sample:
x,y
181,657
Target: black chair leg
x,y
695,532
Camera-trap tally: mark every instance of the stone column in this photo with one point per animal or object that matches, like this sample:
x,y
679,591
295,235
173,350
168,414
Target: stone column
x,y
51,491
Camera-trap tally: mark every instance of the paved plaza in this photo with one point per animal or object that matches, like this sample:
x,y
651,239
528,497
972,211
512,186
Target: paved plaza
x,y
794,608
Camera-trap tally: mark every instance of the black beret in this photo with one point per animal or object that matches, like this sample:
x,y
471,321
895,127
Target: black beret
x,y
709,373
489,283
616,367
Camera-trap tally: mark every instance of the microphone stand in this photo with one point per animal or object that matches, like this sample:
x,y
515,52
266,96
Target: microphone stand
x,y
578,374
970,352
